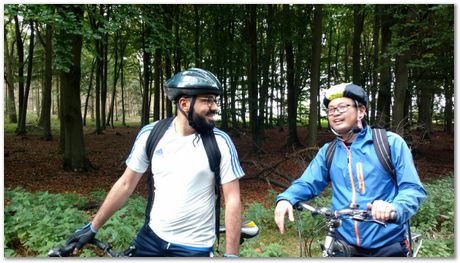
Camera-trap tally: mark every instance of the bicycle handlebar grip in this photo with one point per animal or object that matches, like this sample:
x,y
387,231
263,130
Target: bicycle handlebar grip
x,y
62,251
393,216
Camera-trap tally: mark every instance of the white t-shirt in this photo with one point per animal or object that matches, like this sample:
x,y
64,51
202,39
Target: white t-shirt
x,y
183,207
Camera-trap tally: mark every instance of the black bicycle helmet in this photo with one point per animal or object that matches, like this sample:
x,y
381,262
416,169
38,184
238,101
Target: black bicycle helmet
x,y
348,90
193,81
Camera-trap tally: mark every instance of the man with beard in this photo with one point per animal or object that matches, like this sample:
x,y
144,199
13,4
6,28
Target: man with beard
x,y
181,221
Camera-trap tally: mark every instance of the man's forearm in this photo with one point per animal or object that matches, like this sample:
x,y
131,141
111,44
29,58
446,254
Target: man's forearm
x,y
233,227
116,197
231,192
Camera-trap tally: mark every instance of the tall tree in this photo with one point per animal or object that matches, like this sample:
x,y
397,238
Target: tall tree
x,y
146,55
401,74
69,45
9,76
315,75
20,53
23,110
293,138
252,75
45,116
266,63
358,15
375,44
384,93
95,17
157,85
116,74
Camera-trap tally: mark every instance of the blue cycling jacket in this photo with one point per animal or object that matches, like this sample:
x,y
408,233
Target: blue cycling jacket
x,y
367,182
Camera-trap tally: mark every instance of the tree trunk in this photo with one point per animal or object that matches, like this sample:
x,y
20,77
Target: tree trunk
x,y
266,63
358,29
168,64
105,14
20,51
375,72
95,25
75,158
293,139
281,89
449,110
116,74
401,86
252,76
384,93
157,85
45,116
425,110
177,46
145,115
88,94
196,9
315,75
23,109
9,78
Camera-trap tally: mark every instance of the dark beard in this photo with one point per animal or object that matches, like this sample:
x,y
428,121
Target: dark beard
x,y
200,124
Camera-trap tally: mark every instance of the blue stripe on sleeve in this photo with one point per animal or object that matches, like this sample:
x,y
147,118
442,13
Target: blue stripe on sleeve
x,y
236,168
147,128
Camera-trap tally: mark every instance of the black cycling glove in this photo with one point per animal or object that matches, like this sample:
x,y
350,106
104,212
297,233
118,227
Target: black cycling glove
x,y
82,236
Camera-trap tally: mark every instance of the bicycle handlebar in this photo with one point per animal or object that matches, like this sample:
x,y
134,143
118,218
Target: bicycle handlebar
x,y
249,229
67,250
355,214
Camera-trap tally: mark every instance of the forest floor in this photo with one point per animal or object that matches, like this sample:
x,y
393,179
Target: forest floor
x,y
35,165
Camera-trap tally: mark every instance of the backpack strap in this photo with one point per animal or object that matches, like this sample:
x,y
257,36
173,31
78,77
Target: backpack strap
x,y
380,138
158,130
214,157
330,153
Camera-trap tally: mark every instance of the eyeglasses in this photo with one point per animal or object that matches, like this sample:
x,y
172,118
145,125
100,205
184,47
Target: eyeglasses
x,y
210,101
341,108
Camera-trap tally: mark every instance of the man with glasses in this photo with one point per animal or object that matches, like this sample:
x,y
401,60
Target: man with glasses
x,y
181,220
359,180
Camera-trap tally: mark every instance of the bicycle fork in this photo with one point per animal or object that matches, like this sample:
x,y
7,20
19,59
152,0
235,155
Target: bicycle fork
x,y
328,247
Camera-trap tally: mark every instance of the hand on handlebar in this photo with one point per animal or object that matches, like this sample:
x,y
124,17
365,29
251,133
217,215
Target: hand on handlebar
x,y
81,237
382,210
283,207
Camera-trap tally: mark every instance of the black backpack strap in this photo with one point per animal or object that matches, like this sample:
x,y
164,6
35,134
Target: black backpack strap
x,y
214,157
330,153
380,138
158,130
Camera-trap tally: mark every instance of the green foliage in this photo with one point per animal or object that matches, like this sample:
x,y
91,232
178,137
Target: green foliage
x,y
435,218
36,222
40,221
259,214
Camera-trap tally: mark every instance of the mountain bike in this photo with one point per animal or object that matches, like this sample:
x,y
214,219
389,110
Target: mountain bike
x,y
334,246
249,229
